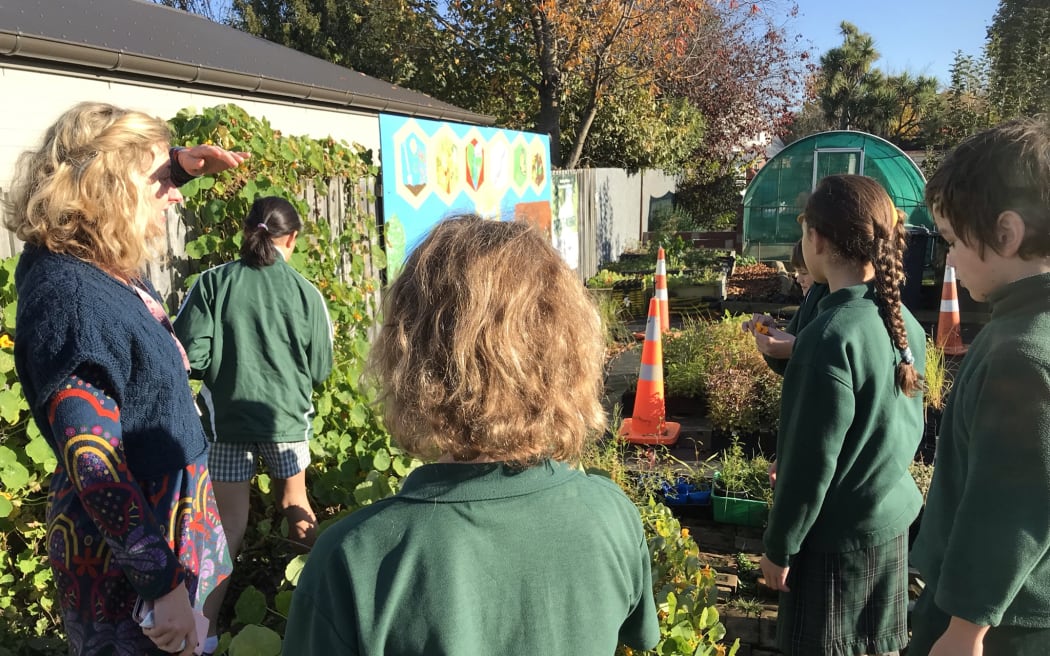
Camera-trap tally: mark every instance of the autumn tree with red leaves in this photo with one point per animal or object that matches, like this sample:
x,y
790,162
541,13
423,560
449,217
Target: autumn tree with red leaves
x,y
672,80
742,68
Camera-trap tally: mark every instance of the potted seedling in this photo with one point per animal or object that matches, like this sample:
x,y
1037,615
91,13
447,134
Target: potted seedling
x,y
742,494
938,384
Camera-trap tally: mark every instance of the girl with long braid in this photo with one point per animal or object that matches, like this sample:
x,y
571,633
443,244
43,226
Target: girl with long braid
x,y
851,419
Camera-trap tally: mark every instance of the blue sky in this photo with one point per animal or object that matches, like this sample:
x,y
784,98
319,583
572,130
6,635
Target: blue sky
x,y
919,36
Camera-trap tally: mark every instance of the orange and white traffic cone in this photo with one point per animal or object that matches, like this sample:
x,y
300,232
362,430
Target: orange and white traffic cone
x,y
661,291
949,324
647,424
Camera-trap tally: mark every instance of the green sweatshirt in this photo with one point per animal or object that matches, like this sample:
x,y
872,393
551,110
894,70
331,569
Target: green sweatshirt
x,y
985,538
805,313
261,340
847,433
479,559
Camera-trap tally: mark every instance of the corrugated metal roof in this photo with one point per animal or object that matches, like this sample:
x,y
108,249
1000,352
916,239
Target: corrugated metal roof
x,y
141,38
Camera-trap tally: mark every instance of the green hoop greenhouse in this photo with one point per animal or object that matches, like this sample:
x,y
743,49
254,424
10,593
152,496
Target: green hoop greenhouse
x,y
777,194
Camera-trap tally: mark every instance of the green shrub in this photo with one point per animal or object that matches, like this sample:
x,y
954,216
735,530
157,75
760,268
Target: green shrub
x,y
605,278
683,586
743,475
718,362
28,613
613,312
922,473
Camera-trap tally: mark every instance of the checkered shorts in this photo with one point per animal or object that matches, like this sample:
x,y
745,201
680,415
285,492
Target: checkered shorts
x,y
234,462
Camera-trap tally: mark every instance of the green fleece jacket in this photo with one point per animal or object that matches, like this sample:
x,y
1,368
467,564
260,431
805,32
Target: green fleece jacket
x,y
847,433
985,538
261,340
807,309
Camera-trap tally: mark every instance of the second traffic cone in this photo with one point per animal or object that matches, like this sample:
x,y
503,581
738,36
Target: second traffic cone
x,y
660,280
647,424
949,323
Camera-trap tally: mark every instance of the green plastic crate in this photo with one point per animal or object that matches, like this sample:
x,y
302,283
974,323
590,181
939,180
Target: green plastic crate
x,y
742,512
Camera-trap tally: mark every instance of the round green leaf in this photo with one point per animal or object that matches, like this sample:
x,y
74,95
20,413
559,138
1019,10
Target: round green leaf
x,y
381,460
251,606
256,641
358,415
5,506
295,569
40,452
11,404
282,602
12,473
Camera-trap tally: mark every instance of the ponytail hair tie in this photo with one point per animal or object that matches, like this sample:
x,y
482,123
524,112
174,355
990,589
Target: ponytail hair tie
x,y
263,226
906,355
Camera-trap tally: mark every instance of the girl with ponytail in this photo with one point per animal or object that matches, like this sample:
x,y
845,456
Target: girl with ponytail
x,y
851,420
258,334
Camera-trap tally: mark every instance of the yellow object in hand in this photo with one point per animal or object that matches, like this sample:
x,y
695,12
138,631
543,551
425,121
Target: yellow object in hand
x,y
762,328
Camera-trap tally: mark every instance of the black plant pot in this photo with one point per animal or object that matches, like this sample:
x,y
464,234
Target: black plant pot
x,y
928,444
677,406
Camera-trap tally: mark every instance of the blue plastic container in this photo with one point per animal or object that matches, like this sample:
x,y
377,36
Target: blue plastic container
x,y
684,493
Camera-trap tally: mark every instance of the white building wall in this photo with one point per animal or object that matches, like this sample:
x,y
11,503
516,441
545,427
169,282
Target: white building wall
x,y
33,99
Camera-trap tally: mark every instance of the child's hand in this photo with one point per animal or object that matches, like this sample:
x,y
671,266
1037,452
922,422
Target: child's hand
x,y
775,575
773,474
774,342
760,323
961,639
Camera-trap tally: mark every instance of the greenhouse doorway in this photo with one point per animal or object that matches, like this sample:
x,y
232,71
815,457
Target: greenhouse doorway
x,y
831,161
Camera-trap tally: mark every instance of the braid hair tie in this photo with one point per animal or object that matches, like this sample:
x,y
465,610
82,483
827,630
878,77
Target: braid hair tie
x,y
263,226
906,355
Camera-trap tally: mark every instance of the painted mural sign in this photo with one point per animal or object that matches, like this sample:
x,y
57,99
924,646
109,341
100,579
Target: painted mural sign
x,y
565,230
433,169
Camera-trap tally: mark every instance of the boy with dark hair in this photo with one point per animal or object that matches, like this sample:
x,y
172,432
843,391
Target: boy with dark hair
x,y
984,545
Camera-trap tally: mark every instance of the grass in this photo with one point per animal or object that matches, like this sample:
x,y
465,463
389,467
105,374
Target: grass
x,y
748,607
937,382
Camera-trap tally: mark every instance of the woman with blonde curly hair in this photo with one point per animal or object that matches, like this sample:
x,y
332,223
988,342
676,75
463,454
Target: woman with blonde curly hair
x,y
489,363
131,516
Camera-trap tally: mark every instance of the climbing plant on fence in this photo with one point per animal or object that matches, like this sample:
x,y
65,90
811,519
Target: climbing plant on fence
x,y
28,614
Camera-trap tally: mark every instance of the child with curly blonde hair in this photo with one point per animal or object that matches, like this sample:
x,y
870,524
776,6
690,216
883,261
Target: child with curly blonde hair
x,y
489,363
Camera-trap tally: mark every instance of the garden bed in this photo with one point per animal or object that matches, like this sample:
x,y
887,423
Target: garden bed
x,y
760,282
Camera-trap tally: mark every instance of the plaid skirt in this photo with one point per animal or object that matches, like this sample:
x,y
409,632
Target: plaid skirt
x,y
846,604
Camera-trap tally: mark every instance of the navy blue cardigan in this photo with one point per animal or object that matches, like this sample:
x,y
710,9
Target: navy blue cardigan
x,y
71,314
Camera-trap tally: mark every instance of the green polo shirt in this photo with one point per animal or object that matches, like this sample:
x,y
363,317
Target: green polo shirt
x,y
478,559
984,545
847,433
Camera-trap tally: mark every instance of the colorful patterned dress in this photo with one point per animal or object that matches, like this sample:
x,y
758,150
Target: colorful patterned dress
x,y
112,538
